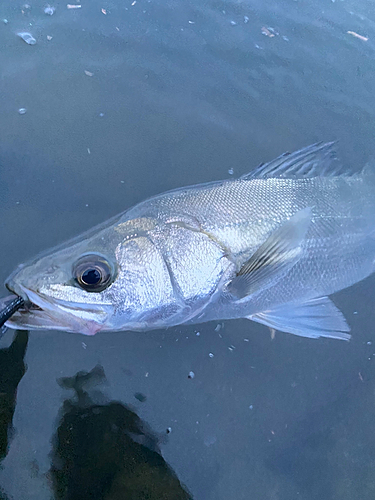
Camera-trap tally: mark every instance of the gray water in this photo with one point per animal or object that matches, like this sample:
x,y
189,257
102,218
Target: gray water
x,y
125,103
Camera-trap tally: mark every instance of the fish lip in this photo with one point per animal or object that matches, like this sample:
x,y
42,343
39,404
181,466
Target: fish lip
x,y
19,293
58,313
28,305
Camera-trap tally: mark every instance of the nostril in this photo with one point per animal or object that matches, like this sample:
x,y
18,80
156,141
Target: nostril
x,y
51,269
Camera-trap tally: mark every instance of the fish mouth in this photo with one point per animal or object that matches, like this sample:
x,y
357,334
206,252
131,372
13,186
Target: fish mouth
x,y
40,312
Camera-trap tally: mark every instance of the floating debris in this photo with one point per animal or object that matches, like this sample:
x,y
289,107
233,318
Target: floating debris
x,y
211,355
356,35
231,171
191,375
22,111
169,430
104,12
245,19
49,38
27,37
266,32
49,10
197,334
26,8
5,21
88,73
233,23
73,6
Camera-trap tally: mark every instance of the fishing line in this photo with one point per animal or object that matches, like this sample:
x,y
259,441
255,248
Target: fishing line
x,y
10,309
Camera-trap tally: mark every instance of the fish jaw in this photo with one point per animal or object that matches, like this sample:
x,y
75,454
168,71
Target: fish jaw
x,y
41,313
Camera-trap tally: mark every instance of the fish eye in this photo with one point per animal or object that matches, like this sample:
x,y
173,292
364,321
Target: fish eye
x,y
92,273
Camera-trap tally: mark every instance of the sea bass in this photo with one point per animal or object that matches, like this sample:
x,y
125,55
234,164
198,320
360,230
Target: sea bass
x,y
270,246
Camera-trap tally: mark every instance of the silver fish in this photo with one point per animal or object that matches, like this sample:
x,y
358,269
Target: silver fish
x,y
270,246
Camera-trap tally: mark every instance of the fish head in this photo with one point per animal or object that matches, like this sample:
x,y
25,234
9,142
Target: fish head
x,y
112,280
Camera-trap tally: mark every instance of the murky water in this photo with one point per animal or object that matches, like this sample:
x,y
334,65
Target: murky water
x,y
118,100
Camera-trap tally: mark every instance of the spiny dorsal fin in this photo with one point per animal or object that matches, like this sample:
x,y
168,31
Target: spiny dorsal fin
x,y
317,160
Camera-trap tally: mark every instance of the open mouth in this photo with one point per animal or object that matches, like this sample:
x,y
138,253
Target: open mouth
x,y
15,306
19,303
31,310
20,311
29,306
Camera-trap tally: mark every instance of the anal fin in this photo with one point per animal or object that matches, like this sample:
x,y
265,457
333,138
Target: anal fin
x,y
315,318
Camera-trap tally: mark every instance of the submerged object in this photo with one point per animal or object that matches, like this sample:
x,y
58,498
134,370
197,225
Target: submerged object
x,y
270,246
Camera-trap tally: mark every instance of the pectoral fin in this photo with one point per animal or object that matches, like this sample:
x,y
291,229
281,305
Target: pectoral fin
x,y
274,258
316,318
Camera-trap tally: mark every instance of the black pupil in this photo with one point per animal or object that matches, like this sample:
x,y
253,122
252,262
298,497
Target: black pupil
x,y
91,277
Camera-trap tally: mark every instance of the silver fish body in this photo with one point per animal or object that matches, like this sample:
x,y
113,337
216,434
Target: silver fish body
x,y
270,246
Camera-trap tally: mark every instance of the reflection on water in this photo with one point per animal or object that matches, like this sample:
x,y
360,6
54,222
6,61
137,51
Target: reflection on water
x,y
103,450
12,369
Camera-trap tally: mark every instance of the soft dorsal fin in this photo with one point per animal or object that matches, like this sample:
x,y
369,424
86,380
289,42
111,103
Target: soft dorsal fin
x,y
317,160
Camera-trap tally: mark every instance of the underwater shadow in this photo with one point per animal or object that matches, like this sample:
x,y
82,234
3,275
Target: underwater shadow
x,y
103,450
